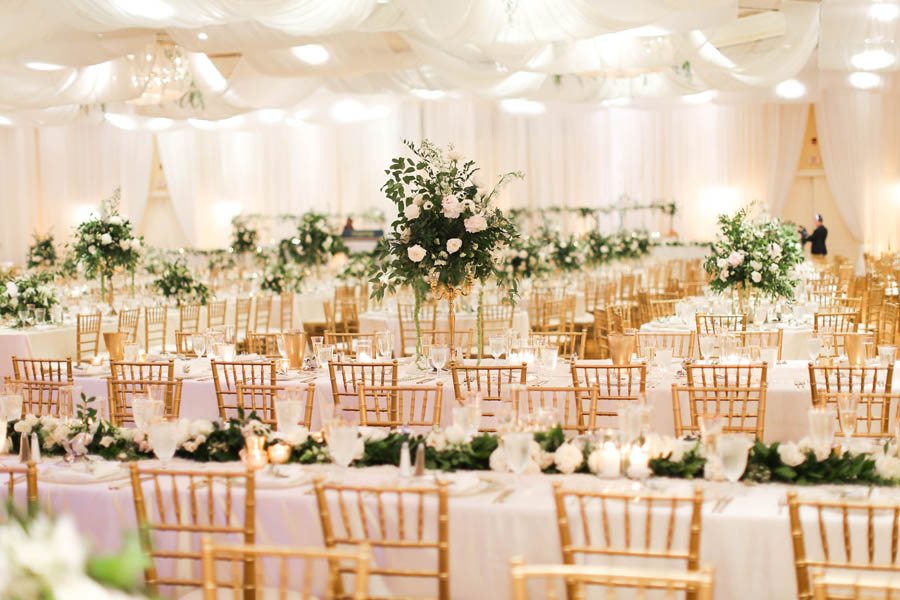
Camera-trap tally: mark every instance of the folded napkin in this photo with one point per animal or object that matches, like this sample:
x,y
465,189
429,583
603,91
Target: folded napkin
x,y
89,471
195,366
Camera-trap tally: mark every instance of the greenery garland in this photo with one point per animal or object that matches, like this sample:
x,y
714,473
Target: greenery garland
x,y
667,208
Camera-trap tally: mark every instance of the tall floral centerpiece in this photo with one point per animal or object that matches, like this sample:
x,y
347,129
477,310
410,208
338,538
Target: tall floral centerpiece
x,y
564,252
754,256
447,230
177,282
314,244
106,244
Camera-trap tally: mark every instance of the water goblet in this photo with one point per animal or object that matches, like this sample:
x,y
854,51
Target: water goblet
x,y
847,405
364,350
439,356
628,415
517,448
384,345
711,426
146,411
548,356
198,344
707,344
821,427
497,346
162,436
814,347
288,413
40,316
732,450
324,355
342,437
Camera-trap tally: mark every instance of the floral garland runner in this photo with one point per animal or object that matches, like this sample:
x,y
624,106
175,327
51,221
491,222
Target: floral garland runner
x,y
33,289
450,450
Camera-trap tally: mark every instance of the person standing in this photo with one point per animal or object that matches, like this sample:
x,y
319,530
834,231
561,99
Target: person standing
x,y
816,239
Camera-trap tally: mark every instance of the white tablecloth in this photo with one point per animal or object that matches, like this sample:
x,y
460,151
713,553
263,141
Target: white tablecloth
x,y
747,542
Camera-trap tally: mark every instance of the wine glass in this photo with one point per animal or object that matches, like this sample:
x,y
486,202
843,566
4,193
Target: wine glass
x,y
324,354
821,427
497,346
146,410
467,412
364,350
384,345
732,450
847,404
288,413
316,341
814,347
707,344
548,357
162,436
342,438
198,344
517,448
628,415
439,356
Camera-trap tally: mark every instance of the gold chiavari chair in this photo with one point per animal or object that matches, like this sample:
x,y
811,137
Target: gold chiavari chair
x,y
763,339
873,416
263,314
627,380
121,393
570,343
584,581
627,285
406,318
842,536
462,339
557,315
227,376
496,319
681,343
155,318
128,323
215,313
601,332
709,323
52,398
348,342
858,586
189,318
620,317
242,308
346,377
27,474
888,331
156,371
490,381
392,406
727,375
743,407
847,379
662,308
836,322
87,336
575,406
265,344
183,344
261,400
286,308
42,369
342,317
176,508
295,572
392,520
651,524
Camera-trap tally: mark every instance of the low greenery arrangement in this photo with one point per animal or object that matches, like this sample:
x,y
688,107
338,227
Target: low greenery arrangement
x,y
42,253
280,277
32,289
564,252
176,281
524,258
244,239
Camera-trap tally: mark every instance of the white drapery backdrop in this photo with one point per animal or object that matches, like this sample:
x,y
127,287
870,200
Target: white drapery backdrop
x,y
708,158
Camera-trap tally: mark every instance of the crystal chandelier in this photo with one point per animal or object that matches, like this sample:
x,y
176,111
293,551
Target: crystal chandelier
x,y
161,71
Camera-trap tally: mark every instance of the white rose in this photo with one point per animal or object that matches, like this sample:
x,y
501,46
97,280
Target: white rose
x,y
567,458
190,447
497,461
92,249
416,253
532,468
887,467
12,290
724,275
308,239
475,223
523,254
604,249
756,276
106,239
755,265
360,449
115,220
106,441
790,454
201,427
453,244
545,460
454,155
773,267
297,437
135,244
436,439
373,434
774,250
451,207
455,435
411,211
736,258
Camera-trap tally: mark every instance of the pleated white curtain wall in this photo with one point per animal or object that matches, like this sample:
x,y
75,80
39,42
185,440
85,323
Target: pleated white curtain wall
x,y
708,159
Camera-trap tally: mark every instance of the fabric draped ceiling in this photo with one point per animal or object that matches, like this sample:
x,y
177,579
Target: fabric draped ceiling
x,y
708,158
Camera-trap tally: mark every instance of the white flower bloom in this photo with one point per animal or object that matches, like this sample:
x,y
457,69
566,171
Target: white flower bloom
x,y
297,437
790,454
453,244
12,290
497,461
92,249
411,211
436,439
451,207
190,446
736,258
468,205
455,435
755,265
545,460
373,434
724,275
475,223
887,467
428,205
106,239
106,441
416,253
308,239
454,155
115,220
775,250
419,200
756,276
604,249
523,254
201,427
360,449
135,244
567,458
773,267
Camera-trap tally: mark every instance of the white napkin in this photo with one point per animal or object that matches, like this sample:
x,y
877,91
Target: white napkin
x,y
82,472
193,367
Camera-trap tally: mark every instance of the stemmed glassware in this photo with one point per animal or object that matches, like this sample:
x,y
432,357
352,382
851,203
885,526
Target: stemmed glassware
x,y
517,448
439,356
847,404
324,355
162,435
198,344
146,410
732,450
548,356
288,412
467,412
814,346
384,345
497,346
341,440
821,427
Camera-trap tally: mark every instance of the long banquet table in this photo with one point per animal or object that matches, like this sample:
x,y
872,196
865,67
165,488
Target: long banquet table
x,y
788,396
745,537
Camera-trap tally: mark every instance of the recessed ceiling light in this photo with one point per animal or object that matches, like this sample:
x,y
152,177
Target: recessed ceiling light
x,y
699,98
150,9
43,66
790,89
202,36
428,94
884,11
520,106
313,54
864,80
872,60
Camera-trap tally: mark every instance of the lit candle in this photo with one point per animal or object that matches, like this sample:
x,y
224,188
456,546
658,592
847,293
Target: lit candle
x,y
638,463
97,361
610,461
279,453
254,455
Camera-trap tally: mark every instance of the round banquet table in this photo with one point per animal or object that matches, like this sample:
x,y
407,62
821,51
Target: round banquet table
x,y
747,540
372,321
793,345
787,400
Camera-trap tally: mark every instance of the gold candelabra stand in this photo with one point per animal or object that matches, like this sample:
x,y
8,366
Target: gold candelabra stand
x,y
442,291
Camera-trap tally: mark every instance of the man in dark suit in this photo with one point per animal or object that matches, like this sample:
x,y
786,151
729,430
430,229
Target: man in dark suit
x,y
816,238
